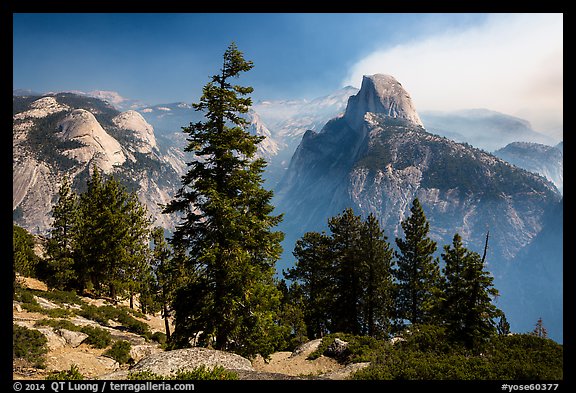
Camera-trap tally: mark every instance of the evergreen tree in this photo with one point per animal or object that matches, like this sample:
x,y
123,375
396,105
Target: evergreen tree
x,y
169,275
348,270
378,297
292,314
227,224
345,278
467,306
503,327
25,260
112,238
135,270
417,273
60,246
540,330
314,276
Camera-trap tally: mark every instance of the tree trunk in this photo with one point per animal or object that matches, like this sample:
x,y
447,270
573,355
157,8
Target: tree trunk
x,y
166,322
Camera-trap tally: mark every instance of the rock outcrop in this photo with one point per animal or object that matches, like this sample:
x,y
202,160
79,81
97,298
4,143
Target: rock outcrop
x,y
384,95
65,135
97,145
167,363
142,133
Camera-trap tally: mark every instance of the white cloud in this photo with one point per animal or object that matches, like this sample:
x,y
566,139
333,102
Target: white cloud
x,y
112,97
512,63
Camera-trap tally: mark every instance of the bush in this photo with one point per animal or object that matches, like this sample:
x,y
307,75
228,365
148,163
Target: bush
x,y
201,373
62,297
524,356
29,303
120,351
159,337
359,349
204,373
57,324
516,357
68,375
25,296
106,313
97,337
30,345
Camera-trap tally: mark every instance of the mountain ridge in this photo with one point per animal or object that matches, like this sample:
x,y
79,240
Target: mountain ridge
x,y
383,163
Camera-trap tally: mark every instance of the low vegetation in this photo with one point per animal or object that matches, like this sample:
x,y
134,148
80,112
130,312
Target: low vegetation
x,y
515,357
29,345
120,351
201,373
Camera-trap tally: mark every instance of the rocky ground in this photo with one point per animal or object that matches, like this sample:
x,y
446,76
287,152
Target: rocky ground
x,y
66,349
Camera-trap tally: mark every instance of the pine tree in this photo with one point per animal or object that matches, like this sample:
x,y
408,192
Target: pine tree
x,y
292,313
25,260
503,327
417,273
348,271
378,296
112,238
227,224
540,330
169,275
60,246
313,273
468,292
345,278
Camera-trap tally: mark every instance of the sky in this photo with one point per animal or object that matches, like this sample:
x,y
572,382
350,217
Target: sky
x,y
512,63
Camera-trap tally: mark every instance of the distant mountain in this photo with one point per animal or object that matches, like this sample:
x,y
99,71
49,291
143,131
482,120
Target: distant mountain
x,y
378,157
288,120
65,134
534,157
170,118
483,128
25,92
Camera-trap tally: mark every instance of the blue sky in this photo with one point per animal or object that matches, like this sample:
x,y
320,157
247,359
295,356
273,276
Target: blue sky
x,y
506,62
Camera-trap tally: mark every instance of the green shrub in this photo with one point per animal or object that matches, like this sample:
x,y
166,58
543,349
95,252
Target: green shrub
x,y
106,313
146,376
58,324
97,337
120,351
101,315
67,375
516,357
524,356
204,373
359,349
428,338
30,345
132,324
29,303
62,297
159,337
25,296
201,373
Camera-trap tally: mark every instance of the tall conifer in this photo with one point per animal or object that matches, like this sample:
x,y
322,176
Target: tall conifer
x,y
226,226
417,273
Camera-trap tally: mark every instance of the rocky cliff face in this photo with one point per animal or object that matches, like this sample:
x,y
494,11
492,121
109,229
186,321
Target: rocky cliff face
x,y
377,158
384,95
65,135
